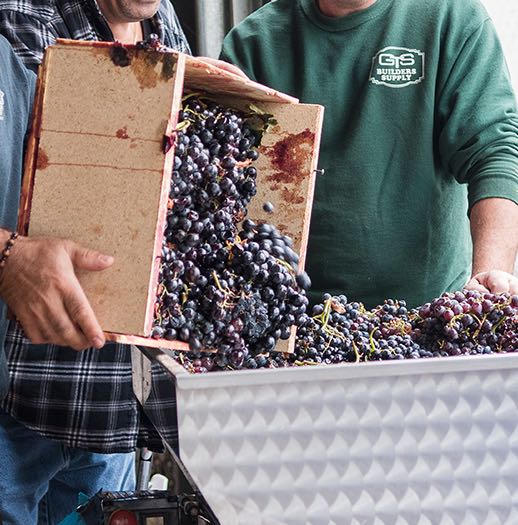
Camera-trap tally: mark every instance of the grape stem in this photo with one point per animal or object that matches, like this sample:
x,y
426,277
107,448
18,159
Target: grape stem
x,y
191,95
305,363
285,264
218,284
499,324
372,342
477,331
185,294
182,126
323,318
355,348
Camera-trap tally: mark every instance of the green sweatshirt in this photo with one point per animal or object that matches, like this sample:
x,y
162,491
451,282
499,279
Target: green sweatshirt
x,y
420,124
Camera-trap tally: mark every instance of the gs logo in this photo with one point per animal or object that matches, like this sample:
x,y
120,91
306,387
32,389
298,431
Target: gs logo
x,y
397,67
391,60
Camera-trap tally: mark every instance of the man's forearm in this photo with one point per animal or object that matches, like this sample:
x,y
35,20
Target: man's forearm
x,y
494,230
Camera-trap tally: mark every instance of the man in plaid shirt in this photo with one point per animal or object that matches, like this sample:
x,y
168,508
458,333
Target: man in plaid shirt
x,y
70,421
32,25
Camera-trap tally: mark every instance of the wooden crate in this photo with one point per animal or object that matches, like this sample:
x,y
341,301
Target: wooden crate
x,y
96,171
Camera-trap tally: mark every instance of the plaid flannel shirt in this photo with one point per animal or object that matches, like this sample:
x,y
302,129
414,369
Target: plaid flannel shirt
x,y
86,399
32,25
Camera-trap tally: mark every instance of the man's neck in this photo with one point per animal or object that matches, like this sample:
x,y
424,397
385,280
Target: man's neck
x,y
338,8
124,31
127,33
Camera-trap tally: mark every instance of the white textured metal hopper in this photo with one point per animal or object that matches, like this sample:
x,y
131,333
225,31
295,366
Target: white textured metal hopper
x,y
411,443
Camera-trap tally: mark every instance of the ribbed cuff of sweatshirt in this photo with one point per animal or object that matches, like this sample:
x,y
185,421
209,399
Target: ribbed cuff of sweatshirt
x,y
497,181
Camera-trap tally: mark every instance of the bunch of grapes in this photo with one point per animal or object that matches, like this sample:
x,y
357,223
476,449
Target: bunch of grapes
x,y
469,322
220,288
341,331
230,288
461,323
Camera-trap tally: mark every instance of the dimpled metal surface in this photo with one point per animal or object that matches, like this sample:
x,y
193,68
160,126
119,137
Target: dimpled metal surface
x,y
413,443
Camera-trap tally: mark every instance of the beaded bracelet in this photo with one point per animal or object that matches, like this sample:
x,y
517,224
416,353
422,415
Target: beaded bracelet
x,y
7,249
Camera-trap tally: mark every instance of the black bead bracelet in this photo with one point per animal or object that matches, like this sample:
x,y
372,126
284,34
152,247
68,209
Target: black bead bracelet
x,y
7,249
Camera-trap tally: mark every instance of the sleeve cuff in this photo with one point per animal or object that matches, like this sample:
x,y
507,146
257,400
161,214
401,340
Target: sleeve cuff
x,y
493,183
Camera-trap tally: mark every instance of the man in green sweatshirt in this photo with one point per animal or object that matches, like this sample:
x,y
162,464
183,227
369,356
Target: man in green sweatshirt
x,y
420,139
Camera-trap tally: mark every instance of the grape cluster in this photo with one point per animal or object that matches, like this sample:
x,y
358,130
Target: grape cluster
x,y
341,331
469,323
220,288
230,288
461,323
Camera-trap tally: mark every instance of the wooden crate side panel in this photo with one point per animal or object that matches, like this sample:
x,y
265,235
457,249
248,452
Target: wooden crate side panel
x,y
100,172
86,93
71,149
286,166
203,77
118,218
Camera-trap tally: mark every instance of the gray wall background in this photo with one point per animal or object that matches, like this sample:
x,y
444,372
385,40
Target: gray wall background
x,y
505,16
206,22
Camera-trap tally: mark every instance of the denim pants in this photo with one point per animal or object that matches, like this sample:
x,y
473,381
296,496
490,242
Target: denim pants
x,y
40,479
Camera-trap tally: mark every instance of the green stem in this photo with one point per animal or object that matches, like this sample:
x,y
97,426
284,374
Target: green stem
x,y
371,339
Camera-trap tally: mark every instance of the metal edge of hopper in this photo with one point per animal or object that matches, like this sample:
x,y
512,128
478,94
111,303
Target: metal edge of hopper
x,y
381,369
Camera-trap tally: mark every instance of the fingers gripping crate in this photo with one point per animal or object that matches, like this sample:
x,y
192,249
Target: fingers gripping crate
x,y
97,171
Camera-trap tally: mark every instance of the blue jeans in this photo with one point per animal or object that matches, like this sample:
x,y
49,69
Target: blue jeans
x,y
40,479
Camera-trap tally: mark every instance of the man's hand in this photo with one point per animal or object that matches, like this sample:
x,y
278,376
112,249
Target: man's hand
x,y
494,281
40,286
223,65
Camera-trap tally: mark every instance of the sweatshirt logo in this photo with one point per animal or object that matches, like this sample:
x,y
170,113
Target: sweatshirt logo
x,y
2,96
397,67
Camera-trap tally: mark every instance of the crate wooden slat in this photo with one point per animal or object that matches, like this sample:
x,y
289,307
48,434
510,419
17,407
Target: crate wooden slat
x,y
287,164
208,79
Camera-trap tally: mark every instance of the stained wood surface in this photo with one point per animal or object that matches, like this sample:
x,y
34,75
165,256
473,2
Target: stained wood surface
x,y
101,177
286,177
286,166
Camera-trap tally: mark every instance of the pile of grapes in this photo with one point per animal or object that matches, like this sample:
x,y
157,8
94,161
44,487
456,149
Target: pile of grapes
x,y
222,288
229,287
460,323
